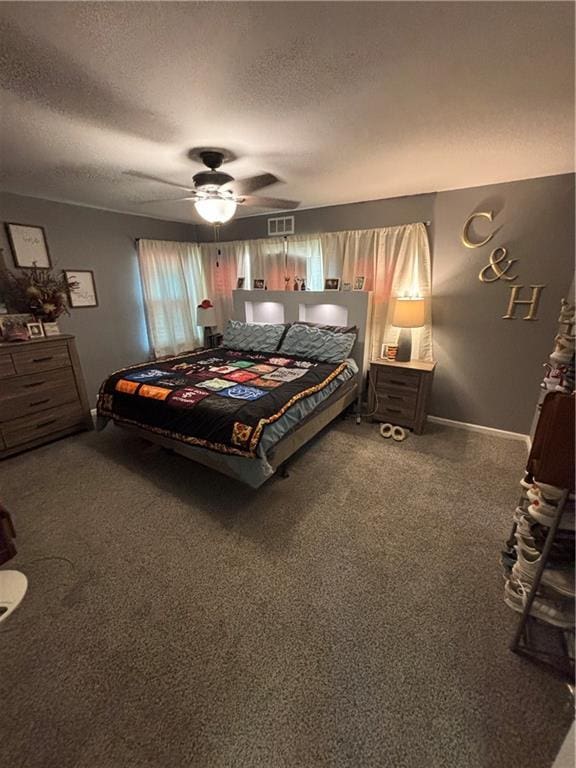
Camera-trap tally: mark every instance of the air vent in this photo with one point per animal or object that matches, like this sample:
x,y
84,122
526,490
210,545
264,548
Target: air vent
x,y
281,225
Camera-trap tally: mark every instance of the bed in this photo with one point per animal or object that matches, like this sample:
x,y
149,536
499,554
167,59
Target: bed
x,y
243,412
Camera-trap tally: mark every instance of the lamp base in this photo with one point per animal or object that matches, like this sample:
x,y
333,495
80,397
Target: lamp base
x,y
404,346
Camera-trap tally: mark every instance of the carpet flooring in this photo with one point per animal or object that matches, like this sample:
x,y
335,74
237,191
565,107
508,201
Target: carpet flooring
x,y
349,615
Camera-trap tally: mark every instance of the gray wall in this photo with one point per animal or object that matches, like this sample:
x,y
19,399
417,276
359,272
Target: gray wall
x,y
373,213
488,368
113,334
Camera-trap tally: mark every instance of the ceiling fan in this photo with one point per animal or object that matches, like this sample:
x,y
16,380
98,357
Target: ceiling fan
x,y
216,194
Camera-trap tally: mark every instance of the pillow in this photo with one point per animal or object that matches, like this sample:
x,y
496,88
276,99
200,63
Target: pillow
x,y
253,337
333,328
318,344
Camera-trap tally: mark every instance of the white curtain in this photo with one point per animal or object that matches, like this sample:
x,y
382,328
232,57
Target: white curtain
x,y
223,264
274,259
173,285
395,262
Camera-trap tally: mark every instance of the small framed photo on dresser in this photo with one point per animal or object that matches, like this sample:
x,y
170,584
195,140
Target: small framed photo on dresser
x,y
359,283
332,284
81,288
29,246
239,283
258,284
35,330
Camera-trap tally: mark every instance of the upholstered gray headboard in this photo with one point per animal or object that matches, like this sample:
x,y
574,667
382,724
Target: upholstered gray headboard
x,y
327,307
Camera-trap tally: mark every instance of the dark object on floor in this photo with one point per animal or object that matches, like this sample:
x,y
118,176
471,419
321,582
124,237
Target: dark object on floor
x,y
7,534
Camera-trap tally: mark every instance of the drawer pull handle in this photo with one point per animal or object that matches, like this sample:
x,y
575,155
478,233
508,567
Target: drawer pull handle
x,y
45,423
42,359
399,382
34,384
39,402
394,397
393,410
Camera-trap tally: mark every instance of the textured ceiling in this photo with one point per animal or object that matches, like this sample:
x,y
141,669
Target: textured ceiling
x,y
343,101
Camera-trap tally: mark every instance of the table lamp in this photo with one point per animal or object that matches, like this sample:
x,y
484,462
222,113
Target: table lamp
x,y
408,313
206,317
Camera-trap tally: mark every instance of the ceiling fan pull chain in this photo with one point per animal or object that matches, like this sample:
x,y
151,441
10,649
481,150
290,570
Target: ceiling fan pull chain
x,y
217,240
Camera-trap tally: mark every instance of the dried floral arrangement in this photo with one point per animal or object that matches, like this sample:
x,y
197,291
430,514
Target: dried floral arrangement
x,y
42,292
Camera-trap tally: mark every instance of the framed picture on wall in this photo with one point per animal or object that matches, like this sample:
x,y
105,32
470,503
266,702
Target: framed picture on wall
x,y
29,246
359,283
81,288
258,284
332,284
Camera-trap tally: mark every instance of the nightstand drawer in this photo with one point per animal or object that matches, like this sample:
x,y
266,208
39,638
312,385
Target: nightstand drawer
x,y
41,358
391,399
395,414
398,381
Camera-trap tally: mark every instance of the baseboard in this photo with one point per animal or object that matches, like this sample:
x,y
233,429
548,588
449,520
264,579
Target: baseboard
x,y
485,430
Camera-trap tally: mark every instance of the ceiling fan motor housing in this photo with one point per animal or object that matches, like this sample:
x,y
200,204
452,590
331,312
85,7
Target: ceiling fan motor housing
x,y
211,179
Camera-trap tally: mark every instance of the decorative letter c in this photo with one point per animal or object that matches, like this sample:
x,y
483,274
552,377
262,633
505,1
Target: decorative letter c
x,y
465,238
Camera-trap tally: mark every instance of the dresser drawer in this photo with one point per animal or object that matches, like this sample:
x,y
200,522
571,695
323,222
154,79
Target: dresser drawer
x,y
25,395
395,414
29,428
6,366
42,357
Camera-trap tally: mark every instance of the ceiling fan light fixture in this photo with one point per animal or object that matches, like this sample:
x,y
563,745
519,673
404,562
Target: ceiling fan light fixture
x,y
216,210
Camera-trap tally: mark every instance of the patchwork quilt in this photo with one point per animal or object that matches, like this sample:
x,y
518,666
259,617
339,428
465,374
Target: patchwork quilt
x,y
218,398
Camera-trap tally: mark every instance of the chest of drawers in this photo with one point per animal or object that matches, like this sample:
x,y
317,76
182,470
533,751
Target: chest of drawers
x,y
42,393
398,392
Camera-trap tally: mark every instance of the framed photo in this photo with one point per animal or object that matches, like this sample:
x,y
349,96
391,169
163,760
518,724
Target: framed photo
x,y
346,286
258,284
51,329
332,284
359,283
240,283
84,292
35,330
389,351
29,246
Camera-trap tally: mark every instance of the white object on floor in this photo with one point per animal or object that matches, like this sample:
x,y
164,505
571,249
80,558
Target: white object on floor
x,y
13,586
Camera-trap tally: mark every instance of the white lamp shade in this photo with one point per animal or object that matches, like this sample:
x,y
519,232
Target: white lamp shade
x,y
409,313
206,317
216,210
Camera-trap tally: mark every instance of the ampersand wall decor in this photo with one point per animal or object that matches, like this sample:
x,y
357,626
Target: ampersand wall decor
x,y
498,268
497,257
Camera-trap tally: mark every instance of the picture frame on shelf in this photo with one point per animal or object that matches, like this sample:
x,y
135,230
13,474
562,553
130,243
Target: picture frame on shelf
x,y
258,284
240,283
81,288
359,283
332,284
346,286
29,246
35,330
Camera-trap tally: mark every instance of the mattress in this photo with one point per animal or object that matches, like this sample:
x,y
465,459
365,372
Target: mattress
x,y
236,404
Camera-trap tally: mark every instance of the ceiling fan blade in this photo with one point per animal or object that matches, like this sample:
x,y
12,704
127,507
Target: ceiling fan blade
x,y
146,176
167,200
251,184
269,202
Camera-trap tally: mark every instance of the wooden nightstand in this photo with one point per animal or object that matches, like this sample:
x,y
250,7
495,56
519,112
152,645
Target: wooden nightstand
x,y
398,392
